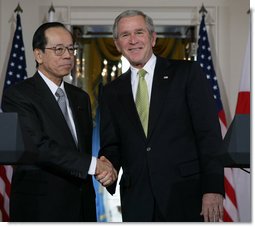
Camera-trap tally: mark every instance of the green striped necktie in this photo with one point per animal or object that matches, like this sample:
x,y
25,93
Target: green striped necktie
x,y
142,100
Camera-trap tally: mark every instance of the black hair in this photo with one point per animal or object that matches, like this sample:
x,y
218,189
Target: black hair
x,y
39,39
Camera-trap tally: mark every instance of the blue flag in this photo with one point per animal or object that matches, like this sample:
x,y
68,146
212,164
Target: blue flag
x,y
16,70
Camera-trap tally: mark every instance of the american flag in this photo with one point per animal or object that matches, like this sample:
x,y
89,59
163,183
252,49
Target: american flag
x,y
16,72
205,59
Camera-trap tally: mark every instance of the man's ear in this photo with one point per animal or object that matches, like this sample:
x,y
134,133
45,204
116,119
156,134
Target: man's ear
x,y
38,55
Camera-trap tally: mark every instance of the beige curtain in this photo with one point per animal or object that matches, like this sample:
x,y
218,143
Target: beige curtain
x,y
94,51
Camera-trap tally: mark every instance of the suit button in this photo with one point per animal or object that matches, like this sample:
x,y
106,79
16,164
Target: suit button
x,y
148,149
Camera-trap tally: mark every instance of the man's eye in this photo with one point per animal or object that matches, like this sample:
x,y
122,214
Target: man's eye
x,y
140,32
124,35
59,49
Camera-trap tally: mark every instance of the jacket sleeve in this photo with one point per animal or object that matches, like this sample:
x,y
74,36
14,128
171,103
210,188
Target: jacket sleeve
x,y
207,130
109,141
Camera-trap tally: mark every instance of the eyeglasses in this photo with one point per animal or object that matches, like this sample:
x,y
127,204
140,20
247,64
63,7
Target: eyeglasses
x,y
61,49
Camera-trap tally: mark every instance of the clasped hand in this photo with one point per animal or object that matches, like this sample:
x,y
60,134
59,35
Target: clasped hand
x,y
105,172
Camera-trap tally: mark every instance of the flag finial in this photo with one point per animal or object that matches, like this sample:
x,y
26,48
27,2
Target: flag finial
x,y
51,13
51,9
203,10
18,9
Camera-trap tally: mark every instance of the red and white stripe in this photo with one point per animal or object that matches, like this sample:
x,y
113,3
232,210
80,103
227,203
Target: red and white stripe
x,y
230,205
231,213
5,189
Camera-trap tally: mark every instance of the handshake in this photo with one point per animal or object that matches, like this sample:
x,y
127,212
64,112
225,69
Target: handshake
x,y
105,172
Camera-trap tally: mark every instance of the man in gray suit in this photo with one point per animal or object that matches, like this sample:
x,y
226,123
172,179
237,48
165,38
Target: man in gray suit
x,y
57,117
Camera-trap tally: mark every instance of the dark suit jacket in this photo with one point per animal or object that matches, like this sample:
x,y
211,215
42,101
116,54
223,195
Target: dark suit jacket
x,y
179,160
57,187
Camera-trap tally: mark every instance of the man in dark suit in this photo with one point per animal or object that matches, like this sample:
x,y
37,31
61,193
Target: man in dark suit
x,y
58,186
170,152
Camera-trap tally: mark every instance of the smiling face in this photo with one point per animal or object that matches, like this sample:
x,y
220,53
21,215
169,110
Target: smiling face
x,y
52,66
134,41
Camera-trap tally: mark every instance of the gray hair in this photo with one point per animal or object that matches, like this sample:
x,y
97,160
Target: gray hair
x,y
132,13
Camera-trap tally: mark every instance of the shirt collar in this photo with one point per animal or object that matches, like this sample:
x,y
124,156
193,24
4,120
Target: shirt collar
x,y
52,86
149,67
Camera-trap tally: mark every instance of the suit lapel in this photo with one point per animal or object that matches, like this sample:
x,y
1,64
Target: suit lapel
x,y
73,102
127,101
47,98
163,74
50,105
75,108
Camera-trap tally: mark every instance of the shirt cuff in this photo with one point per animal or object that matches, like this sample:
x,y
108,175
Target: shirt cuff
x,y
92,167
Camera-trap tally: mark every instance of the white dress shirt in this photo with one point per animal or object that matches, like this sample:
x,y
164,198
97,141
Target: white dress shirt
x,y
149,67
